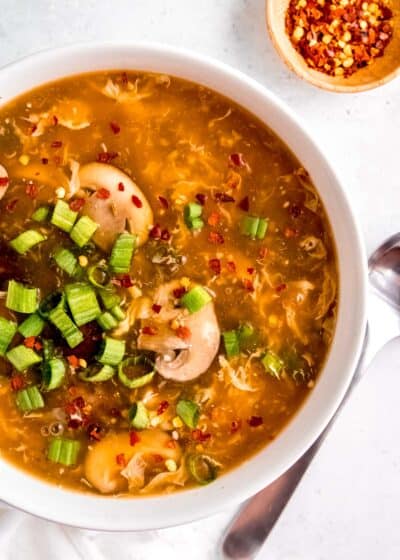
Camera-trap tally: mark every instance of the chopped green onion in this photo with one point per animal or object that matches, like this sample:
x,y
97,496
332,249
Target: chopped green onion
x,y
196,224
52,301
23,358
98,275
202,468
195,299
83,231
7,332
132,364
254,227
48,349
63,217
188,412
53,374
66,326
67,261
112,351
26,241
29,399
122,253
32,326
231,343
192,215
82,302
109,298
64,451
247,336
118,313
20,298
138,416
272,364
41,214
97,373
107,321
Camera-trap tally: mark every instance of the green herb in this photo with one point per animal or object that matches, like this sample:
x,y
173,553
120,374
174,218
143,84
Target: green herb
x,y
138,416
195,299
188,412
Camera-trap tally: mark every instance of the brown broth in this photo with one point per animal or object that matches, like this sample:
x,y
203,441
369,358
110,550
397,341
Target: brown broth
x,y
176,140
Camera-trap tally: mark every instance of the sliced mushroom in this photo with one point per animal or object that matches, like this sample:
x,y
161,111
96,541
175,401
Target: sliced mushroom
x,y
118,212
3,181
101,468
177,359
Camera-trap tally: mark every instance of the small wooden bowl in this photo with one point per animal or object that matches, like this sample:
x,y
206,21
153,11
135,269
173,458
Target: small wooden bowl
x,y
381,71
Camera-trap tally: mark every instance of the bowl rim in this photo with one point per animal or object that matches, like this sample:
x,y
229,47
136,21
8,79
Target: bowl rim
x,y
53,503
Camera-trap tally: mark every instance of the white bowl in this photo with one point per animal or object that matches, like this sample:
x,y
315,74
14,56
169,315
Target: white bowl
x,y
105,513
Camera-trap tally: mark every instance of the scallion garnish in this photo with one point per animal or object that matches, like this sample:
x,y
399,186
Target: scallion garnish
x,y
231,343
128,371
7,332
32,326
51,302
188,412
272,364
20,298
64,451
97,373
82,302
66,326
122,253
138,416
29,399
118,313
67,261
112,351
192,215
99,276
109,298
195,299
83,231
23,358
41,214
26,240
107,321
254,227
53,374
63,217
202,468
48,349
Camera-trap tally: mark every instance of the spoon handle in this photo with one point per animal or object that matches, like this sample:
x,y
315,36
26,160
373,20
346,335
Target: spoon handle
x,y
254,522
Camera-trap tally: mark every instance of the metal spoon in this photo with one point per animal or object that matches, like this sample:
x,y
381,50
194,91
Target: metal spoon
x,y
254,522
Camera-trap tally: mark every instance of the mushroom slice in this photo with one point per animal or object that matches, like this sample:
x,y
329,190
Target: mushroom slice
x,y
3,181
118,212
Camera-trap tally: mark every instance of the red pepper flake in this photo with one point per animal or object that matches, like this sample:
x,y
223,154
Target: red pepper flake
x,y
235,426
133,438
244,204
263,252
121,187
255,421
79,402
70,409
158,458
121,460
33,129
103,193
162,407
77,204
231,266
155,232
183,332
38,346
163,202
290,232
56,144
10,207
106,157
150,330
199,435
280,288
223,197
73,361
201,198
4,181
213,219
31,190
248,285
124,281
156,308
30,342
94,431
165,235
45,160
179,292
115,127
74,423
136,201
215,265
17,382
251,270
237,160
170,444
215,237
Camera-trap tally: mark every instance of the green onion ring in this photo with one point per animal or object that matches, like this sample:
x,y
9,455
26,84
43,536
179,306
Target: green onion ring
x,y
196,461
138,381
97,373
51,302
99,269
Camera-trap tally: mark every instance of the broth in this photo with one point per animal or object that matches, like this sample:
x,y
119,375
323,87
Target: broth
x,y
208,339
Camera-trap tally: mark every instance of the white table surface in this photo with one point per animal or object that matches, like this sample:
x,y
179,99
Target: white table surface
x,y
348,504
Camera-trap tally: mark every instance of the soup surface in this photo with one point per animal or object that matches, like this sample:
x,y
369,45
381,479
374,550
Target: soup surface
x,y
168,284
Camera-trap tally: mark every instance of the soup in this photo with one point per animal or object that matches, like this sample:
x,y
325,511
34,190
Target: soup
x,y
168,284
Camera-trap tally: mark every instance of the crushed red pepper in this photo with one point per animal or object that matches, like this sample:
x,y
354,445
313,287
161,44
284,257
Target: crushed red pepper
x,y
338,37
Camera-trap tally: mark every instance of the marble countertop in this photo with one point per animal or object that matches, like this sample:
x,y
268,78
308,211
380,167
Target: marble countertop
x,y
348,504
